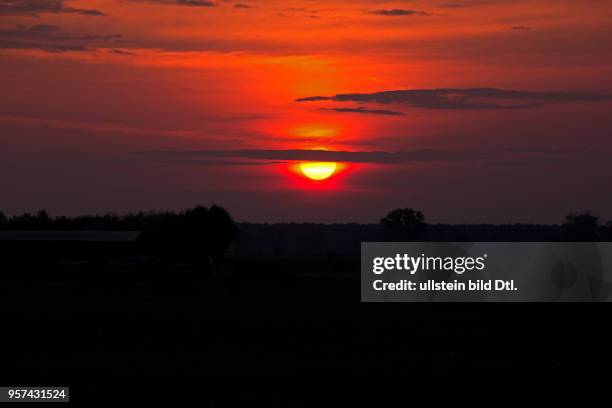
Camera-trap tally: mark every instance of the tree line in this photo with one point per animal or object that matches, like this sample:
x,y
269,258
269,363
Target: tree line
x,y
201,234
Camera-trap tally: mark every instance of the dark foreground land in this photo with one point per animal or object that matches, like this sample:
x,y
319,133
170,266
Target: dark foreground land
x,y
192,313
269,330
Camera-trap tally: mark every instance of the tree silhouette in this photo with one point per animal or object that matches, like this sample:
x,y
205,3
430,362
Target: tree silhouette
x,y
223,229
580,227
198,235
43,219
607,232
3,218
403,224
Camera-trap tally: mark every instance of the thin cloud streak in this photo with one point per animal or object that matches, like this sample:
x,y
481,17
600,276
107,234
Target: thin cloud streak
x,y
188,3
365,111
399,13
377,157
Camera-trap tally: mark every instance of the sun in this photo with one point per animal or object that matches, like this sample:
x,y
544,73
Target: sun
x,y
318,170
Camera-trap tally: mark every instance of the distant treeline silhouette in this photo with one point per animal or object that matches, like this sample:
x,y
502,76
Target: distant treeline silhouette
x,y
404,225
201,234
408,224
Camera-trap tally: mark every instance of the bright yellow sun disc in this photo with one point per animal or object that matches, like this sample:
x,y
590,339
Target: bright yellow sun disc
x,y
318,170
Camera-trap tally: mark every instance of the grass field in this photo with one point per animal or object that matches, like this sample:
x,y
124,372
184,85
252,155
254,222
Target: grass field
x,y
252,321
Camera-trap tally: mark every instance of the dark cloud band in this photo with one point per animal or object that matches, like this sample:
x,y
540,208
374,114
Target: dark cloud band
x,y
49,38
469,98
36,7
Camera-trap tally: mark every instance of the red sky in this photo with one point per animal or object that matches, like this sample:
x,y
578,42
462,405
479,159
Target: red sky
x,y
129,105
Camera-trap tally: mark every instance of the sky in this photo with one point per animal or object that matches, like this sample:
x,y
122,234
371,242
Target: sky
x,y
481,111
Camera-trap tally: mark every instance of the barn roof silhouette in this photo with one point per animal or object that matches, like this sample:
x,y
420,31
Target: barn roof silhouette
x,y
69,236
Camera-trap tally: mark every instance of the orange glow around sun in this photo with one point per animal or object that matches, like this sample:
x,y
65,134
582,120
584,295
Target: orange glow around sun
x,y
318,170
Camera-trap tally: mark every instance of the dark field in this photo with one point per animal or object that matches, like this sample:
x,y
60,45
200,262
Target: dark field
x,y
257,329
